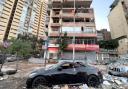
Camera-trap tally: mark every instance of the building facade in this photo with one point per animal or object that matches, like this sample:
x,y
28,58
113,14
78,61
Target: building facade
x,y
103,34
18,16
118,21
77,20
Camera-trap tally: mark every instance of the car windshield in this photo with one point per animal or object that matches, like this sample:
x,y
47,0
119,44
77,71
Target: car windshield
x,y
53,66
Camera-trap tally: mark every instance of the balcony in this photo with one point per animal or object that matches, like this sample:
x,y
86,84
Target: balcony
x,y
78,15
53,48
83,3
68,24
55,24
53,45
57,1
55,15
75,34
83,47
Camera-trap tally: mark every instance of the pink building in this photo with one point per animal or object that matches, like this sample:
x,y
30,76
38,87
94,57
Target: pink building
x,y
79,23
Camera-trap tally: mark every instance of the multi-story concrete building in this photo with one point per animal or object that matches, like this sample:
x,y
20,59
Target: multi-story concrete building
x,y
103,34
17,16
118,20
99,35
76,20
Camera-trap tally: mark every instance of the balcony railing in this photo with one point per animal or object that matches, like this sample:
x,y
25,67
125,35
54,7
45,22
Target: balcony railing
x,y
78,15
55,15
55,24
76,34
91,24
53,45
57,0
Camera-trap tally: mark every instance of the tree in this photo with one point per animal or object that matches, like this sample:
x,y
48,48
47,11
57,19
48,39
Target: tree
x,y
28,37
63,42
110,44
20,47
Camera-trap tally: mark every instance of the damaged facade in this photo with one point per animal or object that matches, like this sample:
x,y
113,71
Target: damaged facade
x,y
76,20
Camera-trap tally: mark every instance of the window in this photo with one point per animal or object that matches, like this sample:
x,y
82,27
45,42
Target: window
x,y
67,66
79,64
87,20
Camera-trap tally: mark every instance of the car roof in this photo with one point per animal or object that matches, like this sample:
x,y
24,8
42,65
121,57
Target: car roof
x,y
63,62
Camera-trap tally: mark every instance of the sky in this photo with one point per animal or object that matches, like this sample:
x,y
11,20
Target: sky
x,y
101,9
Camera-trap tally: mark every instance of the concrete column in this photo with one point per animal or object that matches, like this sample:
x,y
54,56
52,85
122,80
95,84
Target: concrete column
x,y
102,56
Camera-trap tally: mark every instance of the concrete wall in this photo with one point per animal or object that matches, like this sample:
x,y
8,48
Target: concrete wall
x,y
118,26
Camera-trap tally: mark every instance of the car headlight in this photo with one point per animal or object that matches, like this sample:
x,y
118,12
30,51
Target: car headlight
x,y
32,75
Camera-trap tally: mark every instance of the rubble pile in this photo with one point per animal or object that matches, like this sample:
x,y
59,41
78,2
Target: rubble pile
x,y
114,82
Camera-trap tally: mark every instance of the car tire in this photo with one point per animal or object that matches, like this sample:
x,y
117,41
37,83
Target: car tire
x,y
93,81
39,83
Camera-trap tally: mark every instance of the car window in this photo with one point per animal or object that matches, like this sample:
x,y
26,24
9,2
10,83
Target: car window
x,y
67,66
79,64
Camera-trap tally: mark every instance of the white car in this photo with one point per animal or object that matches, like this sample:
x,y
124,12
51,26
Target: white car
x,y
121,71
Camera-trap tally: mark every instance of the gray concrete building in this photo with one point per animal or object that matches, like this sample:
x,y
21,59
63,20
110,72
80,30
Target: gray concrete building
x,y
118,21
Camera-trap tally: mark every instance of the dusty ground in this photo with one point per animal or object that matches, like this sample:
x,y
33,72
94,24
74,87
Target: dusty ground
x,y
17,81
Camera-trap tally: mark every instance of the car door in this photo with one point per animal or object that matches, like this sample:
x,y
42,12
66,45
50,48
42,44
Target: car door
x,y
65,73
81,73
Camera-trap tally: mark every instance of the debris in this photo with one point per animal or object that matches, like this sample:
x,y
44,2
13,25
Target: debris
x,y
108,78
124,80
1,78
36,60
5,77
118,82
1,74
106,83
85,86
56,87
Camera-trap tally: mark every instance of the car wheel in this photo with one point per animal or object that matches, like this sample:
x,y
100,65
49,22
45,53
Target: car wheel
x,y
93,81
39,83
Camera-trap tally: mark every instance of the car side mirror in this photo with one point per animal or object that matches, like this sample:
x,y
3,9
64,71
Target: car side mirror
x,y
59,68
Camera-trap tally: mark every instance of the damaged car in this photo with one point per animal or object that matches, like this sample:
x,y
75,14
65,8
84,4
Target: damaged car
x,y
65,73
121,71
119,68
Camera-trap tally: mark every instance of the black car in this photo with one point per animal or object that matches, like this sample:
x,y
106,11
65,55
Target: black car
x,y
65,73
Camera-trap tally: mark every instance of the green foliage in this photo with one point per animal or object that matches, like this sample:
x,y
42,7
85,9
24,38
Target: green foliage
x,y
110,44
21,47
63,43
24,45
28,37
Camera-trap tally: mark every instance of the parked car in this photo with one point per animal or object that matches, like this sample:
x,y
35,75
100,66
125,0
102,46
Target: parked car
x,y
121,71
65,73
119,68
70,60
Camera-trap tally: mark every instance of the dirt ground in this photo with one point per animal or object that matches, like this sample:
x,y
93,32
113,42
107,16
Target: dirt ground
x,y
18,80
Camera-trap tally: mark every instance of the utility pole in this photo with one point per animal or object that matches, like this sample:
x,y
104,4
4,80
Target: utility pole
x,y
73,56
